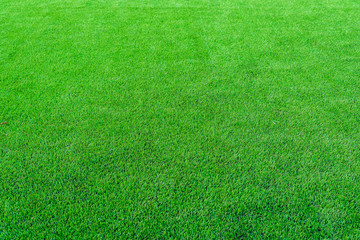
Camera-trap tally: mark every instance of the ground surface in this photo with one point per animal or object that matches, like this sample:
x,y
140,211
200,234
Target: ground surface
x,y
179,119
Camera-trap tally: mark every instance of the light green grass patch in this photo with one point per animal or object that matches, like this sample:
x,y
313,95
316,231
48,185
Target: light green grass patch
x,y
179,119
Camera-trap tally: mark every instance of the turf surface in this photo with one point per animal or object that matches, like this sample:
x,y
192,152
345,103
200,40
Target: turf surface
x,y
179,119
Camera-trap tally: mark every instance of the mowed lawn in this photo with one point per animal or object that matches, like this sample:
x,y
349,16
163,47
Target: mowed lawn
x,y
179,119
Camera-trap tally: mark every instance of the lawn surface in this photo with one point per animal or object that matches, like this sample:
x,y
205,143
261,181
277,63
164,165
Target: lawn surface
x,y
179,119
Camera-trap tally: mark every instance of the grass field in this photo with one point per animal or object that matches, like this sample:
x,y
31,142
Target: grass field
x,y
179,119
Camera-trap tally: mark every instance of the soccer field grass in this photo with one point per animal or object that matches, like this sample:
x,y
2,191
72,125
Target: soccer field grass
x,y
179,119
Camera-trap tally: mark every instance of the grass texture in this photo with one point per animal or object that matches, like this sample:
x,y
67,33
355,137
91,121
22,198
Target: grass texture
x,y
179,119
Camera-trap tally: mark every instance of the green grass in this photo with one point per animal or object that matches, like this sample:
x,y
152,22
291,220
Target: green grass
x,y
179,119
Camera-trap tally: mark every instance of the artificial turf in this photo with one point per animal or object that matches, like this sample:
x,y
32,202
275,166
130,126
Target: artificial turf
x,y
179,119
